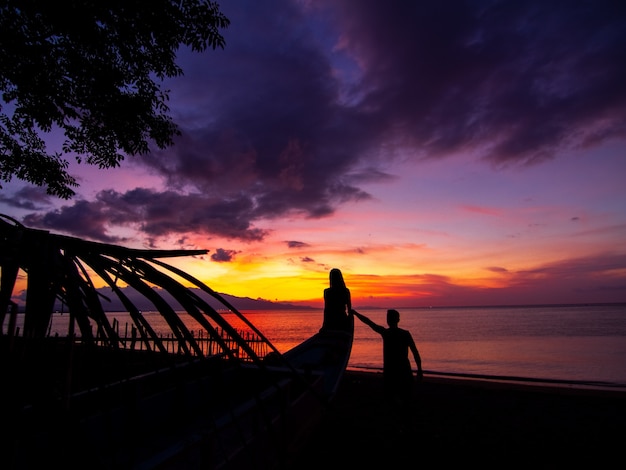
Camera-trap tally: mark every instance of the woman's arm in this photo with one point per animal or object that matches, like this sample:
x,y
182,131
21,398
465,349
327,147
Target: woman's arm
x,y
348,300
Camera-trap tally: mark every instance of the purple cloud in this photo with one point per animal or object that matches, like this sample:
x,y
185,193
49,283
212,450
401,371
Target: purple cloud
x,y
308,102
28,197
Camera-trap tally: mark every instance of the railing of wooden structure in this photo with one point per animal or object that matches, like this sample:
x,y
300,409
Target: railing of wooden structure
x,y
131,340
208,346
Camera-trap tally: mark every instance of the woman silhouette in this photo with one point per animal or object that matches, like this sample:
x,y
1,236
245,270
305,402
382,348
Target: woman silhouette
x,y
337,303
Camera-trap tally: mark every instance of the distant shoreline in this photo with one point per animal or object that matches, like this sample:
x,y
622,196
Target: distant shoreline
x,y
433,307
246,304
286,306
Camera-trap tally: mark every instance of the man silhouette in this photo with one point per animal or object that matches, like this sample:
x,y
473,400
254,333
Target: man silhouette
x,y
397,373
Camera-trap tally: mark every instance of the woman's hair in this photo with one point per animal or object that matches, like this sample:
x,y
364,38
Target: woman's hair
x,y
336,278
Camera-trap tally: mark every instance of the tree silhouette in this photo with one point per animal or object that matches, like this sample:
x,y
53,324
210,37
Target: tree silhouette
x,y
93,72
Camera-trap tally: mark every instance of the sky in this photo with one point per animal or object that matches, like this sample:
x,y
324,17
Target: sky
x,y
439,153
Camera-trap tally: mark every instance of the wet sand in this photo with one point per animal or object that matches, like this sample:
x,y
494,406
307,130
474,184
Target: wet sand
x,y
458,421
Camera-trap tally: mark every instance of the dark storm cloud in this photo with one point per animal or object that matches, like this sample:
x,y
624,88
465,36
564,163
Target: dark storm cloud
x,y
305,104
223,256
296,244
83,219
161,213
154,213
273,127
515,79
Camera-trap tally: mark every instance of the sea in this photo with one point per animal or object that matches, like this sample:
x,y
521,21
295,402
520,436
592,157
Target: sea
x,y
578,344
572,343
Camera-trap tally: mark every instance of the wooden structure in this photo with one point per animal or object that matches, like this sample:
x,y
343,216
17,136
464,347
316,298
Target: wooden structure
x,y
59,267
86,400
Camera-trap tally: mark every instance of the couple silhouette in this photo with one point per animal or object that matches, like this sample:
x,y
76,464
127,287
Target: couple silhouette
x,y
397,342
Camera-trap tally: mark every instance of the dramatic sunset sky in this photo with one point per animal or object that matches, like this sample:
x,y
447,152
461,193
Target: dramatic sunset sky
x,y
437,152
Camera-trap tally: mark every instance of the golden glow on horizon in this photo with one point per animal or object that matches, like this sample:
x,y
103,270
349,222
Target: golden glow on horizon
x,y
277,281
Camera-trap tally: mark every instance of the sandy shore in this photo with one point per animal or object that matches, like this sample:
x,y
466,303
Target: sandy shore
x,y
457,421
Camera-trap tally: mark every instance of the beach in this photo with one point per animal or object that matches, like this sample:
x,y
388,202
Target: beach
x,y
459,421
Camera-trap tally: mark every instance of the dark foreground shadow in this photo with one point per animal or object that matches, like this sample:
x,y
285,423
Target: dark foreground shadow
x,y
460,422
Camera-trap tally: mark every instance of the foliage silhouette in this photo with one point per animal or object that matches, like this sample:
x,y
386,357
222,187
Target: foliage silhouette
x,y
92,71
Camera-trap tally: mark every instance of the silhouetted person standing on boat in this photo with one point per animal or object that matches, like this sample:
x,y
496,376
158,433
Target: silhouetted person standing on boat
x,y
397,372
337,302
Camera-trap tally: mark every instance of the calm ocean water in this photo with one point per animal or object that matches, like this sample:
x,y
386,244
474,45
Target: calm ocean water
x,y
570,343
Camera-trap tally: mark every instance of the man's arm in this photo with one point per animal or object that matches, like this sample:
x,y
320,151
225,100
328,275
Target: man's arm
x,y
377,328
416,356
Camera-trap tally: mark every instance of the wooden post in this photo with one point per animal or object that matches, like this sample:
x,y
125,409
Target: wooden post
x,y
12,322
70,364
